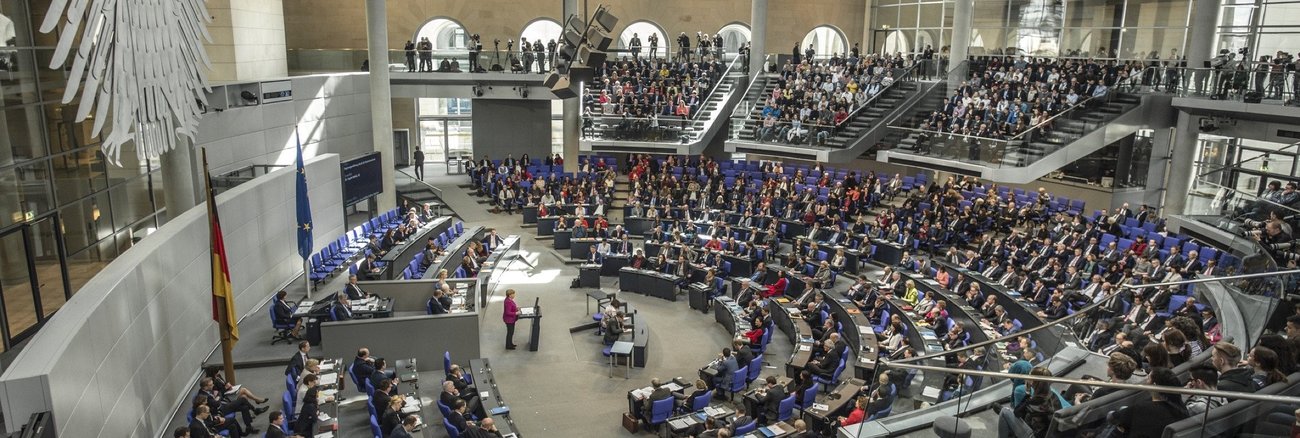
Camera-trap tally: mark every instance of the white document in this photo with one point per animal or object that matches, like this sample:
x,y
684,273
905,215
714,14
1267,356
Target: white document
x,y
484,394
805,348
821,407
329,379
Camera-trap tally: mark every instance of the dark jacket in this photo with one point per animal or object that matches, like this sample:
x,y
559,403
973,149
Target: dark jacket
x,y
1237,379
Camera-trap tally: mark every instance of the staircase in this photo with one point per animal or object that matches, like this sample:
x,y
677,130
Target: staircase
x,y
699,130
1074,134
849,139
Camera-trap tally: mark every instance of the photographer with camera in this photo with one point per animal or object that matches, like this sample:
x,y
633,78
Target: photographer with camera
x,y
526,54
475,47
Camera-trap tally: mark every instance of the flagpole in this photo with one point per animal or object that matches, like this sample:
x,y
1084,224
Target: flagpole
x,y
306,262
223,313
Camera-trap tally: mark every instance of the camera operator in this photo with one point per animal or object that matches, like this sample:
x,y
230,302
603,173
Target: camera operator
x,y
526,54
475,47
1277,74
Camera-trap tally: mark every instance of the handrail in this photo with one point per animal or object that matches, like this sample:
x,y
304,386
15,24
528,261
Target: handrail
x,y
753,84
950,134
1069,110
436,190
1214,279
716,84
1252,196
1131,386
1239,163
907,73
1087,309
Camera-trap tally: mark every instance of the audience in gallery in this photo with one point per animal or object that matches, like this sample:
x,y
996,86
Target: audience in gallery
x,y
651,88
812,98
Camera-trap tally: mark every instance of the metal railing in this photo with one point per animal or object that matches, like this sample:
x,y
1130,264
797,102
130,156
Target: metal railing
x,y
659,128
817,133
926,370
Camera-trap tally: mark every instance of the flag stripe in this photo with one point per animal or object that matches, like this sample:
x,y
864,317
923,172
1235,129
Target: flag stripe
x,y
221,288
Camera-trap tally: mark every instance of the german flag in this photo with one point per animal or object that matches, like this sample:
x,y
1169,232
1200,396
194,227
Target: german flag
x,y
221,290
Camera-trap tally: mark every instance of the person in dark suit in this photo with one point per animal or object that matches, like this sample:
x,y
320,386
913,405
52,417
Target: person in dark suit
x,y
435,303
726,366
364,365
225,406
276,428
353,290
408,425
390,418
383,394
768,405
299,360
457,416
199,425
450,395
826,365
368,267
341,309
309,406
486,429
660,392
283,313
744,354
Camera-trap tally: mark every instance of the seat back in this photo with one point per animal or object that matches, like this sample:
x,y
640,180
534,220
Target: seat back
x,y
291,385
452,431
785,409
446,361
286,401
374,427
746,428
355,380
755,368
443,408
738,379
702,401
661,409
810,395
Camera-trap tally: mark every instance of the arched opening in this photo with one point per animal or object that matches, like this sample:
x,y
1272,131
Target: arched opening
x,y
444,33
977,43
734,35
896,42
642,30
825,41
544,29
926,38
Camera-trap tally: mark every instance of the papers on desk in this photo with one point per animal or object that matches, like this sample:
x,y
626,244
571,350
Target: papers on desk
x,y
234,390
864,329
805,348
682,423
930,392
772,430
329,392
329,378
322,416
325,434
484,394
642,393
714,411
326,367
527,311
821,407
673,386
410,409
500,410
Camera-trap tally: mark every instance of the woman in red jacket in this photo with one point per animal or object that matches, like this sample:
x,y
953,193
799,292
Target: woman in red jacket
x,y
777,288
859,412
510,316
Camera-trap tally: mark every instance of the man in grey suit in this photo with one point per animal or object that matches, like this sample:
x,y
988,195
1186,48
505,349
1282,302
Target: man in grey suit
x,y
726,366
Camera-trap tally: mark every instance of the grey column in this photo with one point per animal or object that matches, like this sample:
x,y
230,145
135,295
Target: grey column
x,y
381,102
960,42
1178,180
1200,41
572,109
178,178
758,36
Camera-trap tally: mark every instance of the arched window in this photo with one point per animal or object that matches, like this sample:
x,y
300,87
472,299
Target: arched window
x,y
444,33
896,42
643,30
826,41
734,35
544,29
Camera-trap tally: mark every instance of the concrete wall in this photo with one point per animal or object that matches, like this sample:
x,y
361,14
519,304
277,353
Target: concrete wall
x,y
340,24
247,40
331,113
122,354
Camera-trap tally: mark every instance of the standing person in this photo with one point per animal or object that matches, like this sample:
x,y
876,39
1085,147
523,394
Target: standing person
x,y
653,39
419,163
526,52
410,56
426,55
551,46
510,316
635,45
475,46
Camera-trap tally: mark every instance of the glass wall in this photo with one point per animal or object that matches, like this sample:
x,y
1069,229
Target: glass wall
x,y
1130,29
1258,28
64,212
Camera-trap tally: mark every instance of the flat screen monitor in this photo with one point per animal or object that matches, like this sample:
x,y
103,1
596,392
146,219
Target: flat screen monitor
x,y
362,179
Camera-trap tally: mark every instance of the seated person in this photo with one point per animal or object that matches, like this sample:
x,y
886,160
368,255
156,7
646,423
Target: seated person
x,y
284,313
451,396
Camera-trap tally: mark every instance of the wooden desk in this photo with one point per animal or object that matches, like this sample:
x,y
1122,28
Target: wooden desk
x,y
650,283
490,394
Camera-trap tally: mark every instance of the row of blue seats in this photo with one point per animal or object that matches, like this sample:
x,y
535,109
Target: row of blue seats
x,y
416,268
334,256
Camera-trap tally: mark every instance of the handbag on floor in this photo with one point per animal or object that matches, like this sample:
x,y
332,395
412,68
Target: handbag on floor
x,y
630,423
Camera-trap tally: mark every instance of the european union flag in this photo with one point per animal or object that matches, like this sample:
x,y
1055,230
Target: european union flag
x,y
304,206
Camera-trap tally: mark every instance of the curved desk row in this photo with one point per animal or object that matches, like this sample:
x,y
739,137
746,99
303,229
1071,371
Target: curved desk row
x,y
455,253
1016,306
497,264
531,217
651,283
741,265
401,254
